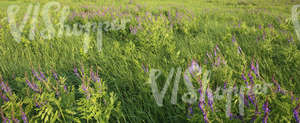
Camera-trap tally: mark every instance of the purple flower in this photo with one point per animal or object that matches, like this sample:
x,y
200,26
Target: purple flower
x,y
218,61
5,87
65,88
85,89
244,78
210,98
296,113
55,75
201,104
225,84
266,109
215,52
194,69
36,75
250,77
257,69
33,86
76,72
277,85
3,96
233,39
43,76
259,27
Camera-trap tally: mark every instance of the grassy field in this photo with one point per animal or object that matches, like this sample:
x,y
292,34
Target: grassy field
x,y
241,43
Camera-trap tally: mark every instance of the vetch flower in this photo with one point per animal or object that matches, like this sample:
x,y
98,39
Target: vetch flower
x,y
250,77
296,113
194,69
245,79
210,97
55,75
266,110
36,75
33,86
76,72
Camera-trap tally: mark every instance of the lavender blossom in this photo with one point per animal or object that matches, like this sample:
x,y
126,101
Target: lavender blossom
x,y
277,85
296,113
5,87
36,75
201,104
65,88
3,96
55,75
245,79
76,72
194,69
266,109
43,76
33,86
210,98
225,84
215,52
250,77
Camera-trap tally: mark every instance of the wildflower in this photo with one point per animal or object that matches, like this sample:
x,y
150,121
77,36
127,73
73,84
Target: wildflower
x,y
55,75
259,27
33,86
296,113
215,52
65,88
76,72
3,96
92,74
266,109
201,106
85,89
210,98
36,75
43,76
225,84
190,111
195,69
5,87
233,39
277,85
244,78
250,77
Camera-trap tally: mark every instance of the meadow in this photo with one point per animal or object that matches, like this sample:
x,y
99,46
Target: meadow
x,y
98,61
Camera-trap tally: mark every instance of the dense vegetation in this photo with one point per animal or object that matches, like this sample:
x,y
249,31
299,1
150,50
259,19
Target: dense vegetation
x,y
61,79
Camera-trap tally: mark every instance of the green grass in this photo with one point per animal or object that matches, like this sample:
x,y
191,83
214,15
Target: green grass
x,y
161,47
